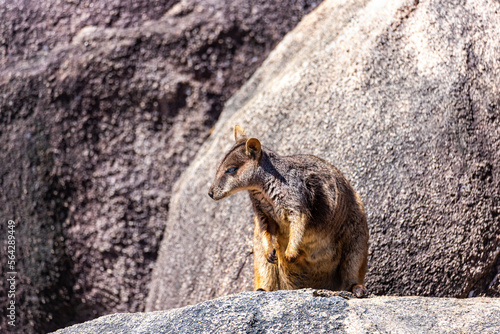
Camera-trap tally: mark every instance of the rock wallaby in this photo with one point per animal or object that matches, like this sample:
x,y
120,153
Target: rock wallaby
x,y
310,225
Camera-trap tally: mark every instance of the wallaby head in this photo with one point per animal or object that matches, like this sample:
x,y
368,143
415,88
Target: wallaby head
x,y
237,171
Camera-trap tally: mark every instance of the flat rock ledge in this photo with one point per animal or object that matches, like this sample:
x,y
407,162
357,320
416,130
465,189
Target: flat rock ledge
x,y
303,311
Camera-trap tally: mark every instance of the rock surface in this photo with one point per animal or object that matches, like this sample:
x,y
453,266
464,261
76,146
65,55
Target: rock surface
x,y
301,312
102,105
403,97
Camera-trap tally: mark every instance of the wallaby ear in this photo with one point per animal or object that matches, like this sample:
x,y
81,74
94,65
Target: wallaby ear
x,y
253,148
239,133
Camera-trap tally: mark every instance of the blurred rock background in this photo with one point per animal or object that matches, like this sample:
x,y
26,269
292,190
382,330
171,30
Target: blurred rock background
x,y
102,105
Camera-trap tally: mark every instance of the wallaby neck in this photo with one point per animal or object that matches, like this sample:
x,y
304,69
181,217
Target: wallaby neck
x,y
270,179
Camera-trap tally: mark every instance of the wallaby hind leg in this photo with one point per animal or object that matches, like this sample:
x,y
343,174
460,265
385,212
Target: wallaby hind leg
x,y
265,276
353,267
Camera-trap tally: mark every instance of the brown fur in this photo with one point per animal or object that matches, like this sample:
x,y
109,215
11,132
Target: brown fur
x,y
310,225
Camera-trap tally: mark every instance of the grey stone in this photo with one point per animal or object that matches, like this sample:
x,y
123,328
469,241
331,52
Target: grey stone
x,y
301,312
403,97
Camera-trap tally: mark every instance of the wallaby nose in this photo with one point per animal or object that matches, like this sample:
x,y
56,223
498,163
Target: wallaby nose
x,y
211,193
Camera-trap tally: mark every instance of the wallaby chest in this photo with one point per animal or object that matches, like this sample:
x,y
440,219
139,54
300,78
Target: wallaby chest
x,y
276,209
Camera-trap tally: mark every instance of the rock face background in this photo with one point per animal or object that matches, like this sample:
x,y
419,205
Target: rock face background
x,y
403,97
102,105
303,311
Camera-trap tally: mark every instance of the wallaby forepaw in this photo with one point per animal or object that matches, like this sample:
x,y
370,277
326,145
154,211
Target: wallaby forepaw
x,y
359,291
271,257
291,256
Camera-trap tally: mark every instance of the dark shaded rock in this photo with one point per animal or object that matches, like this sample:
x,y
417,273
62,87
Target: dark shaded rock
x,y
102,105
300,312
404,98
30,28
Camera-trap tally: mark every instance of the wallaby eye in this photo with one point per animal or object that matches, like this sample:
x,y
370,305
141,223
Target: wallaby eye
x,y
231,170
